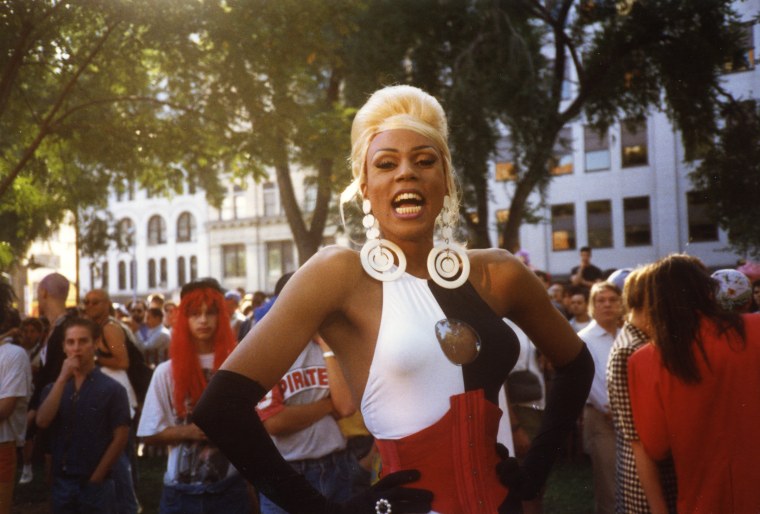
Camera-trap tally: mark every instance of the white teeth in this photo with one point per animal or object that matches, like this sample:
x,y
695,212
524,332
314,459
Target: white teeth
x,y
409,210
407,196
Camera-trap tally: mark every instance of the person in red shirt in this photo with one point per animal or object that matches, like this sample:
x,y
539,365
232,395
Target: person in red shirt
x,y
695,392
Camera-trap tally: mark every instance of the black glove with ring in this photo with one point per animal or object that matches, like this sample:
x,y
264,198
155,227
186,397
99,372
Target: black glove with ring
x,y
226,414
388,496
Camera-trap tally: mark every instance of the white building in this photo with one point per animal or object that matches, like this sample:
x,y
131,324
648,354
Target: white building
x,y
627,194
246,243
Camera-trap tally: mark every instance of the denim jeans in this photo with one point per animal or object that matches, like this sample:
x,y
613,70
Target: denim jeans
x,y
230,496
77,496
331,475
126,499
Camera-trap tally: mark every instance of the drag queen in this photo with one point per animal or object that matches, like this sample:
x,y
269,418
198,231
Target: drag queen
x,y
415,321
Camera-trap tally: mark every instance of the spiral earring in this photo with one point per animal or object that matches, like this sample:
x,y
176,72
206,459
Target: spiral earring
x,y
447,260
377,255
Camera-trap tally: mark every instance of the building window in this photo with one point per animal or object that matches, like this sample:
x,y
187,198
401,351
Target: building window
x,y
309,197
599,223
151,273
104,276
193,267
126,233
633,143
744,59
186,229
597,148
156,230
181,275
562,161
122,275
504,167
502,215
637,220
233,260
702,226
93,274
279,260
563,227
133,274
271,205
163,273
504,171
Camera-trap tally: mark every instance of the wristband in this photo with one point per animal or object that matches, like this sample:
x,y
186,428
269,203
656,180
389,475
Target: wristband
x,y
328,354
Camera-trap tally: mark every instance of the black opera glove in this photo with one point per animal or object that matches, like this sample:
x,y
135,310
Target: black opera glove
x,y
564,404
226,414
401,499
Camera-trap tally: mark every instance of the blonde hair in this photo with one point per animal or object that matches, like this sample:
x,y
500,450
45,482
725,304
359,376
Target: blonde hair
x,y
399,107
597,288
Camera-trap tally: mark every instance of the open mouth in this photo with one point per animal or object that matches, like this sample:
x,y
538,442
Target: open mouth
x,y
408,203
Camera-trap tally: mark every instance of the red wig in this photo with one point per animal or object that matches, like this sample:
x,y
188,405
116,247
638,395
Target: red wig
x,y
189,380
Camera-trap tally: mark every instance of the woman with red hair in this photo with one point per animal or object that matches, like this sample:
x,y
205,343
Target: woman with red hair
x,y
198,477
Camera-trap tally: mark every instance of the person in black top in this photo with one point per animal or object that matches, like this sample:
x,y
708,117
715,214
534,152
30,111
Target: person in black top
x,y
586,273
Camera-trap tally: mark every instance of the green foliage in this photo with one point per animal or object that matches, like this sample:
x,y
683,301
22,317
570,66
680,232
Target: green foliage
x,y
729,177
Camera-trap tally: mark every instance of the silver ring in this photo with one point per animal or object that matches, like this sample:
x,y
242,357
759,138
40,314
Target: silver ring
x,y
383,506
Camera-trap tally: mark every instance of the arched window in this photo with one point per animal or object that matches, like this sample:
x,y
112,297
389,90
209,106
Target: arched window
x,y
126,233
151,273
122,275
193,267
156,230
186,228
93,274
133,274
181,280
104,276
164,275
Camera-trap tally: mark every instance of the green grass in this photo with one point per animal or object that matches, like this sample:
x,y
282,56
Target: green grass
x,y
33,498
569,490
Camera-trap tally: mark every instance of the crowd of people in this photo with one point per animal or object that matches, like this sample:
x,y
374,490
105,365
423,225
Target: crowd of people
x,y
370,382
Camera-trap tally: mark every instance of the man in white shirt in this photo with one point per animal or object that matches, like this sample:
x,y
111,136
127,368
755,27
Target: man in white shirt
x,y
606,309
15,390
579,309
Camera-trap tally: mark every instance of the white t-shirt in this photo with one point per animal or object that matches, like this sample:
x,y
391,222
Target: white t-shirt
x,y
15,381
190,462
599,343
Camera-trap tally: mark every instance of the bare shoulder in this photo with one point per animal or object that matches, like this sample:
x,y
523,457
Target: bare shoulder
x,y
332,273
496,274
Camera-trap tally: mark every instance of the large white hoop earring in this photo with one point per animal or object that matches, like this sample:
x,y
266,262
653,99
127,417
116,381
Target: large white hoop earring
x,y
447,263
377,255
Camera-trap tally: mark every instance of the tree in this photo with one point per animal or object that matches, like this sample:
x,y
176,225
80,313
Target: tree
x,y
729,177
503,65
81,109
271,74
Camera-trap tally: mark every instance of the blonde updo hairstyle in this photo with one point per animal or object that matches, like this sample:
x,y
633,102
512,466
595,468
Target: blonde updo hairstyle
x,y
399,107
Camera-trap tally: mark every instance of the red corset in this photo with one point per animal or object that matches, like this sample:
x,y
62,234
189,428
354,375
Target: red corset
x,y
456,457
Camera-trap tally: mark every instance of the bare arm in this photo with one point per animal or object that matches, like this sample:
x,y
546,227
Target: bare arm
x,y
7,406
294,418
114,449
113,339
649,476
309,298
48,410
343,402
515,292
176,434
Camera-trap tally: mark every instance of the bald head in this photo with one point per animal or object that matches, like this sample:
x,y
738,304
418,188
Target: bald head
x,y
56,286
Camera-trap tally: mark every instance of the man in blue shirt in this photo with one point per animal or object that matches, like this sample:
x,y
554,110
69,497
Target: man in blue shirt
x,y
88,416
